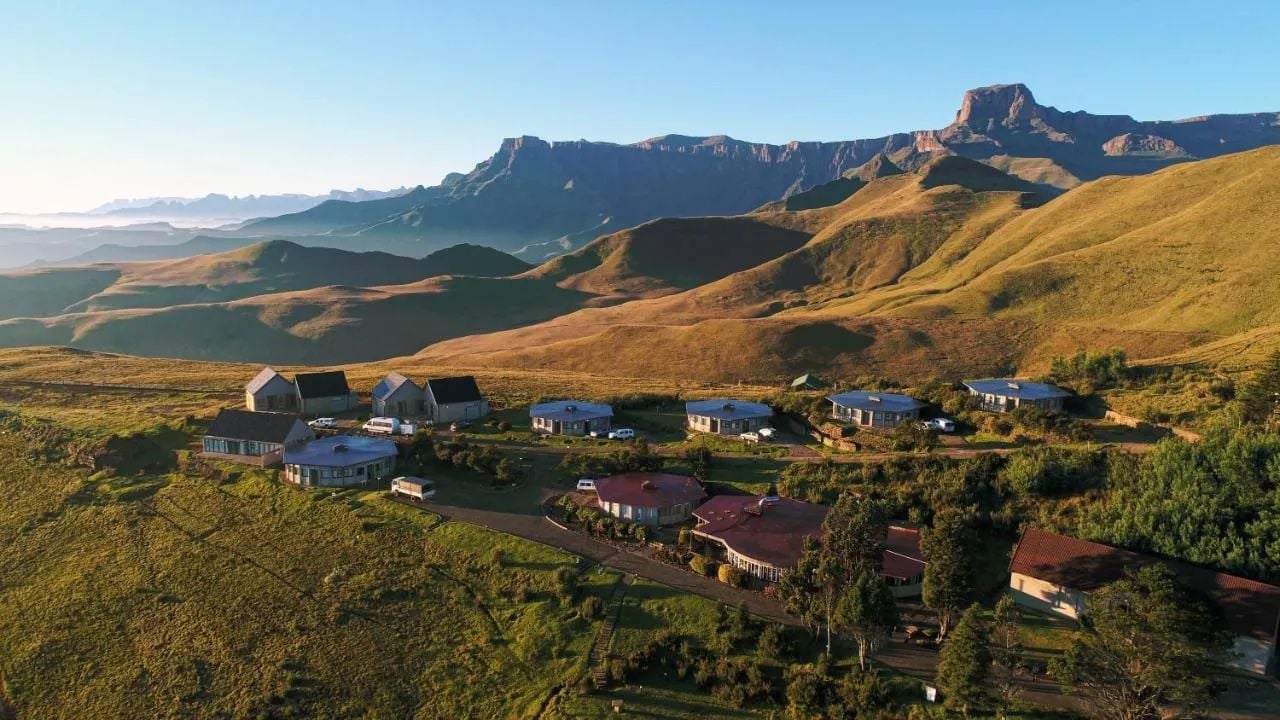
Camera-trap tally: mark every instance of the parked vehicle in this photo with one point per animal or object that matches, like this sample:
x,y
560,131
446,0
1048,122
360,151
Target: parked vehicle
x,y
457,425
622,434
940,424
388,426
586,485
750,436
414,487
767,433
323,423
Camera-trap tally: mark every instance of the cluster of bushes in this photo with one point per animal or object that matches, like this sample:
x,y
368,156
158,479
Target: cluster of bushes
x,y
812,691
497,424
459,454
1032,423
1086,372
636,456
602,525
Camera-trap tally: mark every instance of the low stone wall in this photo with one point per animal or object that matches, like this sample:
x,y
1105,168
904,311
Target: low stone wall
x,y
1133,422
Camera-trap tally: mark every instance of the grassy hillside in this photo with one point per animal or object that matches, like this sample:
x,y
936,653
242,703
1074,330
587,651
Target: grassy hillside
x,y
40,293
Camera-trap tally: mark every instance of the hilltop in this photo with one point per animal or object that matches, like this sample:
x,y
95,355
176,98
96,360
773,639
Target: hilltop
x,y
538,198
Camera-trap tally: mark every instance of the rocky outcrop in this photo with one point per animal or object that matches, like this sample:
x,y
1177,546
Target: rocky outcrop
x,y
1139,144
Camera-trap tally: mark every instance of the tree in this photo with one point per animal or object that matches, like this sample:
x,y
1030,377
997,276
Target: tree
x,y
948,572
1260,397
508,471
964,662
771,645
864,692
699,459
806,686
866,611
1145,642
1006,648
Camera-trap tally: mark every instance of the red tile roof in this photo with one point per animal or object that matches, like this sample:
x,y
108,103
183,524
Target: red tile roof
x,y
902,558
649,490
775,535
1249,607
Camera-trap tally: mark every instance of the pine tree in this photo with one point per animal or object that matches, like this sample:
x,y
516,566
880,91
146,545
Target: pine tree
x,y
964,662
1006,648
948,572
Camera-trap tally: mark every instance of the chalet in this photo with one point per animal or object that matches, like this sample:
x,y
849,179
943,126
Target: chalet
x,y
727,417
269,391
448,400
1007,394
339,461
570,417
258,438
397,396
765,535
874,409
1054,574
324,393
649,498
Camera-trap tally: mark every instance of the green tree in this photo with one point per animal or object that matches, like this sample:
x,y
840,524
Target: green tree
x,y
771,645
1006,648
866,610
1260,397
699,459
963,663
864,692
508,471
948,549
1145,643
806,686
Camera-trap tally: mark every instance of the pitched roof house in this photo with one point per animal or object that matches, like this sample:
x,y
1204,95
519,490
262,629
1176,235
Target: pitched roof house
x,y
808,381
649,498
396,396
269,391
1055,574
1008,394
875,409
321,393
727,417
571,417
454,398
258,438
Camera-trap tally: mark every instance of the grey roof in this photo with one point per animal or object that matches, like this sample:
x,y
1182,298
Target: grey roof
x,y
1012,387
260,380
724,409
389,385
454,390
808,380
323,384
570,410
245,425
876,401
340,451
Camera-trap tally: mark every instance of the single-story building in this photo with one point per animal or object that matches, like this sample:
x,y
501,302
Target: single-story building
x,y
874,409
902,562
571,417
259,438
808,381
269,391
727,417
760,535
414,487
397,396
340,461
649,498
324,393
1007,394
1054,574
456,398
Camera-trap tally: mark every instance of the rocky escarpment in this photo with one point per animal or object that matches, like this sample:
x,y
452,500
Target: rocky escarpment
x,y
1139,144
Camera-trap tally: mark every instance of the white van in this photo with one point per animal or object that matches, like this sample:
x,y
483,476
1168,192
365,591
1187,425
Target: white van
x,y
382,426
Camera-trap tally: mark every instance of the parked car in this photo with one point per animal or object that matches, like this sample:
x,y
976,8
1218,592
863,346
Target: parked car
x,y
622,434
323,423
750,436
586,485
940,424
598,433
457,425
767,433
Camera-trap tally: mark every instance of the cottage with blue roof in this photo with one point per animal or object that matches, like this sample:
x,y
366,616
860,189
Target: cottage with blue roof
x,y
397,396
727,417
571,417
1008,394
340,461
875,409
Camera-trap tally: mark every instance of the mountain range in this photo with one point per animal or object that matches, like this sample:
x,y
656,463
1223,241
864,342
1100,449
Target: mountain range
x,y
231,207
538,198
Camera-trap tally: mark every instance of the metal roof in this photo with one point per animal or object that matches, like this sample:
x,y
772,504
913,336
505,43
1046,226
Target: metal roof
x,y
570,410
340,451
876,401
323,384
260,380
454,390
388,385
1012,387
724,409
649,489
261,426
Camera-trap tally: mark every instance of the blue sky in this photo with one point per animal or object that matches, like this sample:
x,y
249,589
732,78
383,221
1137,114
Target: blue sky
x,y
105,100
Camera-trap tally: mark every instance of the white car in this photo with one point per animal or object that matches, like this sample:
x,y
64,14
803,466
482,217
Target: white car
x,y
622,434
940,424
750,436
586,485
766,433
323,423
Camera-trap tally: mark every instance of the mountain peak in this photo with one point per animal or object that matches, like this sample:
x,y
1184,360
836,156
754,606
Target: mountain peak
x,y
997,104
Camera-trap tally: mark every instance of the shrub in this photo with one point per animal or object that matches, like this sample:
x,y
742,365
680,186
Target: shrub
x,y
702,565
504,426
684,538
912,436
729,575
591,608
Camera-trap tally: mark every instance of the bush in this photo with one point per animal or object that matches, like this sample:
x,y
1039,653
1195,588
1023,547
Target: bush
x,y
702,565
592,607
504,426
1089,371
913,437
684,538
729,575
